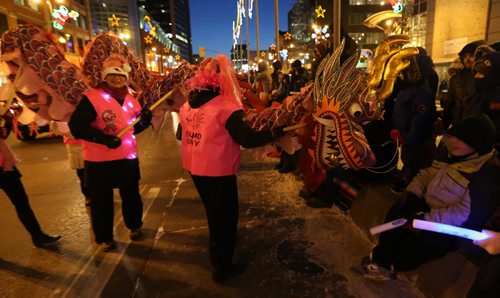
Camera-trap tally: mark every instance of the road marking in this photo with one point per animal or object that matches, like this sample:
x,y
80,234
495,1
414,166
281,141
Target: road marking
x,y
110,260
161,231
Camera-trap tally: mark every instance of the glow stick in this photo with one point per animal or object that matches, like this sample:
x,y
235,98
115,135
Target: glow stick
x,y
449,230
388,226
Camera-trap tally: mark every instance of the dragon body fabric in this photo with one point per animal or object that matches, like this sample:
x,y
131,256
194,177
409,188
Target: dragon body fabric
x,y
40,69
51,86
333,107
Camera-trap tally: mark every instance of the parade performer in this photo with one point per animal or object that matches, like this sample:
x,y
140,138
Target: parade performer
x,y
213,128
111,161
10,182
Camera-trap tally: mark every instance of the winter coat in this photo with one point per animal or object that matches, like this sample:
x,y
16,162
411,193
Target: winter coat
x,y
462,194
263,81
460,89
414,113
487,102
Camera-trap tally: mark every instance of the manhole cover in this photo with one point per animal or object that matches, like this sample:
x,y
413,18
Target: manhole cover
x,y
291,254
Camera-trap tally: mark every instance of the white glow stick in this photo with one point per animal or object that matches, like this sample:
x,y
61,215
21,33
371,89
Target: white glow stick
x,y
388,226
447,229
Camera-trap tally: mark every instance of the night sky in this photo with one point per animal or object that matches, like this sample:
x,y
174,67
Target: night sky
x,y
212,21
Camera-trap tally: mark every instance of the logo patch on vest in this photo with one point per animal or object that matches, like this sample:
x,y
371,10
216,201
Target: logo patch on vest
x,y
109,117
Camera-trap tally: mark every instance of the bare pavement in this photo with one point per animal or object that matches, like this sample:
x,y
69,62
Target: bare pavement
x,y
291,250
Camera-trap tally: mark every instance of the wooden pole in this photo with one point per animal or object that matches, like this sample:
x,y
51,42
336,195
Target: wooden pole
x,y
246,25
257,27
293,127
336,22
152,107
277,25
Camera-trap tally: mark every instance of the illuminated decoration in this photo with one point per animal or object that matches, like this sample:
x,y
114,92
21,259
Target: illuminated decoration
x,y
263,54
166,50
148,39
288,36
114,21
61,15
250,9
148,26
320,33
284,54
320,12
240,11
177,57
397,6
240,15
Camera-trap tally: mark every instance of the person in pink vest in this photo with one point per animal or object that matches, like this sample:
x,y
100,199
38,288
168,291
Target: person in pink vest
x,y
213,127
10,182
109,161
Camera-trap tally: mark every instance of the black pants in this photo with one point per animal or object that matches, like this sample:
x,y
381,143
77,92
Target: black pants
x,y
102,209
83,184
487,282
416,158
405,248
11,184
220,198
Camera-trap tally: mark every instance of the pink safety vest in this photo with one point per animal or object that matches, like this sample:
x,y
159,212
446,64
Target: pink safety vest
x,y
68,140
207,147
111,119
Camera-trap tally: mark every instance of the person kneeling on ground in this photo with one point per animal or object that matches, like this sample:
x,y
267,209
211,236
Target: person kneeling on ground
x,y
460,190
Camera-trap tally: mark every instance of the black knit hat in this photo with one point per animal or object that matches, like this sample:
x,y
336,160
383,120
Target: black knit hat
x,y
476,131
471,47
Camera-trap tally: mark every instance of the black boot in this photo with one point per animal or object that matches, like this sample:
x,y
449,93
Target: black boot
x,y
222,274
44,240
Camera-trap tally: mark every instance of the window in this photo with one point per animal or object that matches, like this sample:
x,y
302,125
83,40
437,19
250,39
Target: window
x,y
418,29
33,5
367,38
83,22
358,18
365,2
30,3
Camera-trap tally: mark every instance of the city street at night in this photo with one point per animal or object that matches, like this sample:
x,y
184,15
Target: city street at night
x,y
246,148
291,249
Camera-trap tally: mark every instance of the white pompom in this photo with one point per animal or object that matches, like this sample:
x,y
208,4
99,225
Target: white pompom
x,y
126,67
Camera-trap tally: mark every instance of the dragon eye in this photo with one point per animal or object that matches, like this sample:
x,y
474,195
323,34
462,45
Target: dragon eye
x,y
355,110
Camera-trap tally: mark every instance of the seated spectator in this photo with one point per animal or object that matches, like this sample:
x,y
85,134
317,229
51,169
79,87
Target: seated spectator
x,y
460,190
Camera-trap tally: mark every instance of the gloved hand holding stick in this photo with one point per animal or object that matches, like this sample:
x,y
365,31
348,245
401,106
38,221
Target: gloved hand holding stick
x,y
154,106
